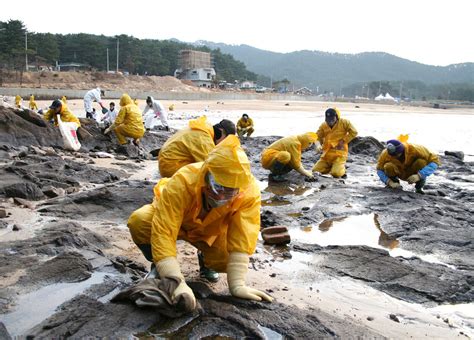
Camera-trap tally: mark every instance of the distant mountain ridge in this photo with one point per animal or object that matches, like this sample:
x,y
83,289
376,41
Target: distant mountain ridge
x,y
330,71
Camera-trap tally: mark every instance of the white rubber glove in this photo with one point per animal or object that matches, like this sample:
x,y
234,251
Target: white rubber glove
x,y
318,147
305,172
393,184
413,179
169,267
237,268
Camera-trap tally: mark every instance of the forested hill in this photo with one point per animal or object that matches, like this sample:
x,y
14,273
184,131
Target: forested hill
x,y
153,57
330,71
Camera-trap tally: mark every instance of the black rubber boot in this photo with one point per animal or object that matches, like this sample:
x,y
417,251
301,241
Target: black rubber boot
x,y
206,273
419,186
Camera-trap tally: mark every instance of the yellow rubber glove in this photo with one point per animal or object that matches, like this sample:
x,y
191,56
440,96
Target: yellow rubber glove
x,y
393,184
305,172
413,179
169,267
237,268
317,147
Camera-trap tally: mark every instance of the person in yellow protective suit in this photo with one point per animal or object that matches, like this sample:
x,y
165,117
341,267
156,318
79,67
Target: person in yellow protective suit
x,y
215,206
18,101
192,144
285,155
245,126
334,135
32,105
408,162
58,107
64,99
128,122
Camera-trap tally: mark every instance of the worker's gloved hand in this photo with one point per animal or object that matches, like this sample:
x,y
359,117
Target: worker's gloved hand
x,y
413,179
340,145
394,185
305,172
182,295
104,110
317,147
237,268
109,129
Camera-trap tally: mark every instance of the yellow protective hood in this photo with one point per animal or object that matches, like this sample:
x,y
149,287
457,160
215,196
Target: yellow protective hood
x,y
229,164
125,100
32,98
202,125
306,139
403,138
337,112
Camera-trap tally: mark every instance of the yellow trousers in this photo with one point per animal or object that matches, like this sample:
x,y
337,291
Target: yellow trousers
x,y
335,166
123,131
394,170
140,224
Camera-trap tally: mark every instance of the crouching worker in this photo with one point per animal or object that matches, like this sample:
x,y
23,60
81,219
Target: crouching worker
x,y
285,155
215,206
245,126
407,162
128,122
57,107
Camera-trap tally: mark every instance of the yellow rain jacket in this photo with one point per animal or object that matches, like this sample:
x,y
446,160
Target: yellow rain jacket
x,y
187,146
129,119
33,105
64,99
293,145
18,100
242,124
174,212
66,116
330,137
413,153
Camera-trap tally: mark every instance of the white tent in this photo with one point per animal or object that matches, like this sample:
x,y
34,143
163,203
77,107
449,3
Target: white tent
x,y
389,97
380,97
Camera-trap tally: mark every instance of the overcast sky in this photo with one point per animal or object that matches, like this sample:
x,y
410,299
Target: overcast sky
x,y
432,32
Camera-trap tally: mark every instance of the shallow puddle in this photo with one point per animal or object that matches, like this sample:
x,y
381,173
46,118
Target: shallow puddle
x,y
34,307
275,201
359,230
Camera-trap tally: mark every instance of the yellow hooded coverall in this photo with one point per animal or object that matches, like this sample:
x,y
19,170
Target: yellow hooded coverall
x,y
287,151
334,157
187,146
173,215
65,114
242,124
129,121
64,99
32,104
18,100
416,158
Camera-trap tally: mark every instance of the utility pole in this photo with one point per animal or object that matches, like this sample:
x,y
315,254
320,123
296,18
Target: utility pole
x,y
107,60
401,85
26,50
117,54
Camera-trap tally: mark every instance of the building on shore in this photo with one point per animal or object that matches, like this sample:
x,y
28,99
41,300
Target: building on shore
x,y
196,66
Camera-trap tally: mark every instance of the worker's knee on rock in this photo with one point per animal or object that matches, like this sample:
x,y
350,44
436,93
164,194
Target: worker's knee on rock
x,y
321,167
338,172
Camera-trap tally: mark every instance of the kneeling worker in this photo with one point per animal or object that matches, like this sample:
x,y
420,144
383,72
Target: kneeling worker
x,y
334,134
215,206
408,162
285,155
